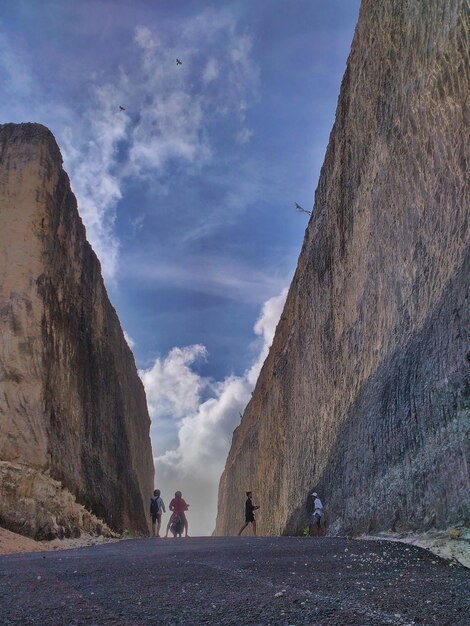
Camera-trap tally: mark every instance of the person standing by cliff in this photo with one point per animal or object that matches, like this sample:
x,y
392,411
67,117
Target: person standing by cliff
x,y
249,515
178,506
317,515
156,508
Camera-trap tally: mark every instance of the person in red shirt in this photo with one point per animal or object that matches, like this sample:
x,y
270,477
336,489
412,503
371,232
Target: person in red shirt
x,y
178,506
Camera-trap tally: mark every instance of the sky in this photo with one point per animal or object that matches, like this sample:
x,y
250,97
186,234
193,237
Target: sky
x,y
188,193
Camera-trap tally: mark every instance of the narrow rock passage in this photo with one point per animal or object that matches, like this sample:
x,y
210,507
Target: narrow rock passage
x,y
231,580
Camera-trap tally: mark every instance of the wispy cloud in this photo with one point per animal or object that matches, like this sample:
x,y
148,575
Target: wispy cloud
x,y
91,158
181,103
15,75
170,114
211,71
244,135
214,275
206,413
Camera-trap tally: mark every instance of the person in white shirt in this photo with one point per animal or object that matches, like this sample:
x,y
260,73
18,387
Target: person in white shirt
x,y
317,514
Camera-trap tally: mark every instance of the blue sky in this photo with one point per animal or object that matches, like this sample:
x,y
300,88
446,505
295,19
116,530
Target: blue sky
x,y
188,194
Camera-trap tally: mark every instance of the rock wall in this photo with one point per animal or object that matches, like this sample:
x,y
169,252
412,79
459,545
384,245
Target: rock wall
x,y
72,406
365,394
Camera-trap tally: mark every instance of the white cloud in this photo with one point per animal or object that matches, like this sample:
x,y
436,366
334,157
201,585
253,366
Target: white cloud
x,y
169,128
173,389
130,342
265,328
240,51
215,275
16,77
143,38
211,71
168,117
204,425
244,135
243,73
137,223
90,149
180,105
170,114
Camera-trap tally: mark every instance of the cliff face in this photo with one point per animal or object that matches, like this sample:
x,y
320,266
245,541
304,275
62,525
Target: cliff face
x,y
72,407
365,393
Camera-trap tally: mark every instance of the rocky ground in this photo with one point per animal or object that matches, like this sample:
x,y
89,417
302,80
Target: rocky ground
x,y
452,544
245,580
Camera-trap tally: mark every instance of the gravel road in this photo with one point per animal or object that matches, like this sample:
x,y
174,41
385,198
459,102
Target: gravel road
x,y
231,580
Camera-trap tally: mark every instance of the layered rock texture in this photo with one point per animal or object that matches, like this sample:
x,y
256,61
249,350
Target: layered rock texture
x,y
73,411
365,393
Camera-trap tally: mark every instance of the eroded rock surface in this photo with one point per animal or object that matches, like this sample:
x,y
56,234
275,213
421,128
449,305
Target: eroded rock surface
x,y
365,393
38,506
72,406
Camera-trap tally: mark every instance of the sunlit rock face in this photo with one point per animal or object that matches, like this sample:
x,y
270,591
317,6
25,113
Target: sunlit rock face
x,y
72,406
365,393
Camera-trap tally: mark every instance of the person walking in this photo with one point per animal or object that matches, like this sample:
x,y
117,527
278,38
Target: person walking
x,y
317,515
156,508
249,515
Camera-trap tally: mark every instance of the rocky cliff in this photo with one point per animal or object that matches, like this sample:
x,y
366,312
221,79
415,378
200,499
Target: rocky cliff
x,y
72,407
365,393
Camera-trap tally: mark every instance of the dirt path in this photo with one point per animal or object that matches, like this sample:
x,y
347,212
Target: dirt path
x,y
238,581
12,543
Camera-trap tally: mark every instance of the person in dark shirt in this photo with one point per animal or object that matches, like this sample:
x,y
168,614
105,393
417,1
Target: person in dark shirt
x,y
249,515
156,508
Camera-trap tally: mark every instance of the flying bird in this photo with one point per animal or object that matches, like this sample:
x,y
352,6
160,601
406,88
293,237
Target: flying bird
x,y
178,62
121,108
301,209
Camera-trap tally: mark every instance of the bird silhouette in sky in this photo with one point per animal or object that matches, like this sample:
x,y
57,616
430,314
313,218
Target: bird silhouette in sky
x,y
121,108
178,62
301,209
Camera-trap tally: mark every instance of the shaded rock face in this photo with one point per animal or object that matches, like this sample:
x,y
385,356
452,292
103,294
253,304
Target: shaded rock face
x,y
71,402
365,393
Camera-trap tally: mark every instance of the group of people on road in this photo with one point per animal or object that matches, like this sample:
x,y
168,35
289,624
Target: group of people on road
x,y
177,522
